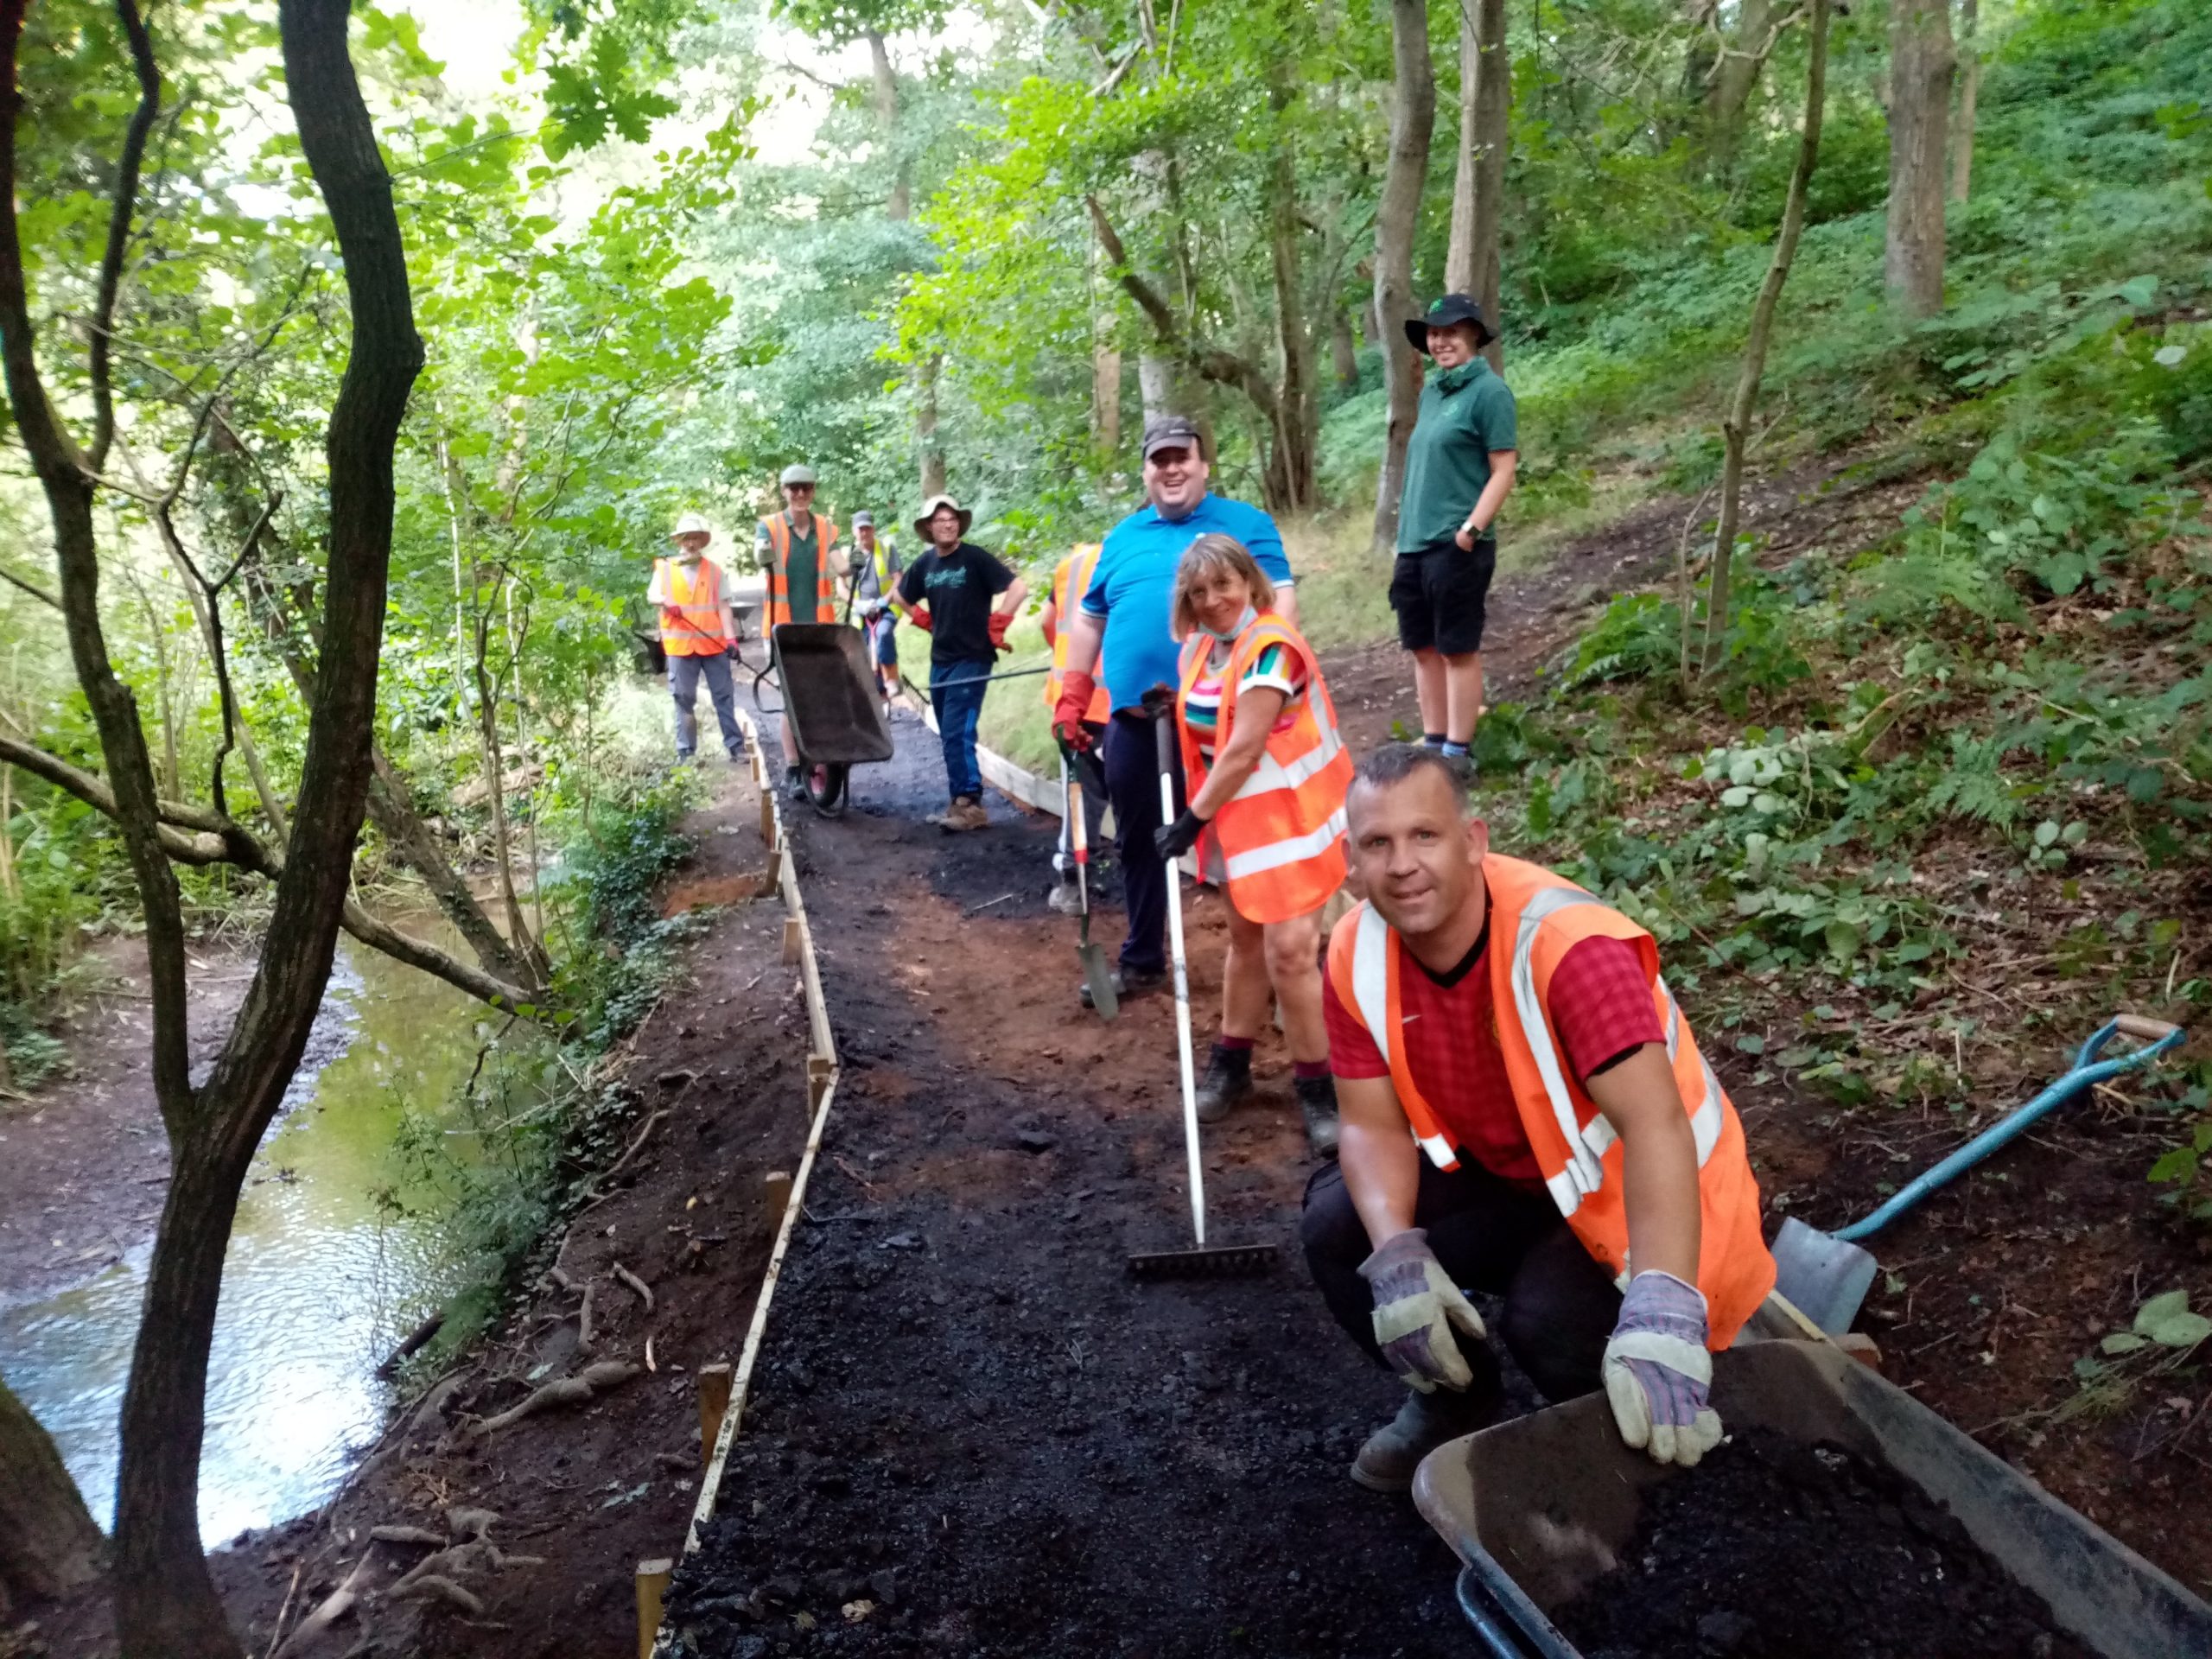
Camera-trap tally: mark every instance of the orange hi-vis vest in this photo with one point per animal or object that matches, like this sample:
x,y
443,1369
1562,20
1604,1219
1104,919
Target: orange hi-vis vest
x,y
1070,583
1281,835
1536,918
825,592
691,608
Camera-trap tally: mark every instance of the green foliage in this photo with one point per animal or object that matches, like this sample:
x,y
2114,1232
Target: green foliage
x,y
2184,1170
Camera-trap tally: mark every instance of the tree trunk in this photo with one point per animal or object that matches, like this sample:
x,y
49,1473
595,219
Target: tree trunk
x,y
48,1541
1105,367
1733,78
1736,429
925,426
1343,350
1969,94
165,1601
1413,117
1472,264
1920,97
1292,461
902,201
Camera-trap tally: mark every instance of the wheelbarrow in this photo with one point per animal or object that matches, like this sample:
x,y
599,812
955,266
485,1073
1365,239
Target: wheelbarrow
x,y
1826,1275
1538,1509
830,705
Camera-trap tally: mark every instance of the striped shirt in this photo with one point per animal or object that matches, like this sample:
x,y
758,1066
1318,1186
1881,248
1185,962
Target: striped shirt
x,y
1274,669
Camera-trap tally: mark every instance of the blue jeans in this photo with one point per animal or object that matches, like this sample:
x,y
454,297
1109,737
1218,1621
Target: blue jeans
x,y
683,674
958,707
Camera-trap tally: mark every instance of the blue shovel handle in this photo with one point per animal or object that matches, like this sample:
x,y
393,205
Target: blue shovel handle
x,y
2088,1072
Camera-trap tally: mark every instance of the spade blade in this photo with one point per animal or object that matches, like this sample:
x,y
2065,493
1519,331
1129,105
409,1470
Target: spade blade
x,y
1100,978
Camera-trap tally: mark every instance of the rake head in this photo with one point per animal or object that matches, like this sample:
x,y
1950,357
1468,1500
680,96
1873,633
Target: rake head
x,y
1230,1262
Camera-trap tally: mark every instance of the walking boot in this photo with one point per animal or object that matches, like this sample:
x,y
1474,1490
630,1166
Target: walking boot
x,y
795,782
1387,1461
968,813
1317,1104
1228,1080
1065,899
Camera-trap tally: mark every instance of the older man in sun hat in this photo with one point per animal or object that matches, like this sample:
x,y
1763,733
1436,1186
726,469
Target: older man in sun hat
x,y
964,598
699,633
796,549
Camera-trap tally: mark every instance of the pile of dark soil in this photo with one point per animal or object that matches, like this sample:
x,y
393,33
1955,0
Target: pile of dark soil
x,y
1774,1549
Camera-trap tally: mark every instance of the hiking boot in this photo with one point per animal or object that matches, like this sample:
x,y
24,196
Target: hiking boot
x,y
795,782
1066,899
1128,983
1228,1080
1113,978
1317,1104
1387,1460
968,813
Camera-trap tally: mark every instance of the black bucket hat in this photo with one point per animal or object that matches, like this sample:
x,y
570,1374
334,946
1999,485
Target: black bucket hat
x,y
1451,309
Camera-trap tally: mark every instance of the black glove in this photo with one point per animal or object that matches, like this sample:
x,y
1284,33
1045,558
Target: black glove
x,y
1179,837
1160,701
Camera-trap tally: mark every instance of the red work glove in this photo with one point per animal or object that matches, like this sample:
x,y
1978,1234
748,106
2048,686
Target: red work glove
x,y
999,623
1076,689
920,619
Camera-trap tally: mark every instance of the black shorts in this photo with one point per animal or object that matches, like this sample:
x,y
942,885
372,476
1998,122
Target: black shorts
x,y
1439,595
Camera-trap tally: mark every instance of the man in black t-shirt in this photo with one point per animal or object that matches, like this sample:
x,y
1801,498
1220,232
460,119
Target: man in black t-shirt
x,y
965,598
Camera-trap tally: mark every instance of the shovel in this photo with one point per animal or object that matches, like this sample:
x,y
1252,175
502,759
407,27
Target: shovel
x,y
1095,974
1239,1261
1827,1275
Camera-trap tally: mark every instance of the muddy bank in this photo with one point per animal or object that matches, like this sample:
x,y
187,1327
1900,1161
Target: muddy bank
x,y
581,1494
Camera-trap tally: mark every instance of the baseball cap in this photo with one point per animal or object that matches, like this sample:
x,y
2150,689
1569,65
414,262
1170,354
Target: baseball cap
x,y
863,519
1172,432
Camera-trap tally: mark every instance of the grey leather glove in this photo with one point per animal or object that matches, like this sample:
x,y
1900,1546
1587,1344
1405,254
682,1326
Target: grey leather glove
x,y
1416,1307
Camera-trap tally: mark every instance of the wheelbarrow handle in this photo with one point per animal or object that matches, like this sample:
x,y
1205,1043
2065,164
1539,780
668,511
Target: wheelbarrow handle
x,y
2088,1072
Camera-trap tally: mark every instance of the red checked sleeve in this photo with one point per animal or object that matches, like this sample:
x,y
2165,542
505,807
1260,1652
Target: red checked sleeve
x,y
1352,1053
1600,1005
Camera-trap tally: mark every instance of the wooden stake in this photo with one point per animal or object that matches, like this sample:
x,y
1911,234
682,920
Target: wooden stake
x,y
794,939
767,818
714,1402
818,1070
652,1585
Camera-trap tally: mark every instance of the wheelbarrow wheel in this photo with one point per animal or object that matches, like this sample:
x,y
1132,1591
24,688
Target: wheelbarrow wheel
x,y
825,788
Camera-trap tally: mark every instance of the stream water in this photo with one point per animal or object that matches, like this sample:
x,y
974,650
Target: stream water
x,y
321,1282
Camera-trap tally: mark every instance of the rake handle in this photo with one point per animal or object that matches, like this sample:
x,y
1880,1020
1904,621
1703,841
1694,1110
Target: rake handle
x,y
1164,734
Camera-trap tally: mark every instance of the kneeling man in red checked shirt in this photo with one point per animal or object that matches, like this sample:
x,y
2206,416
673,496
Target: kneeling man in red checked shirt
x,y
1525,1113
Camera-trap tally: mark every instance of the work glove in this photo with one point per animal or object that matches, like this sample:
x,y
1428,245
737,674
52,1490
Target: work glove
x,y
1076,689
920,619
1159,701
1658,1372
871,609
1178,838
997,626
1416,1306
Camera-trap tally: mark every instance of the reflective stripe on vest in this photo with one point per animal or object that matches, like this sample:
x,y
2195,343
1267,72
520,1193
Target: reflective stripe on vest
x,y
1070,582
1280,836
691,610
779,543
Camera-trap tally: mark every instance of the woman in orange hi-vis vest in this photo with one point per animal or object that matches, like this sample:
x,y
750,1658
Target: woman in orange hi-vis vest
x,y
1525,1112
1267,774
1070,582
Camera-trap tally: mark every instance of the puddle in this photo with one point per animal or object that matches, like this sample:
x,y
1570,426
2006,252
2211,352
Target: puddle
x,y
319,1286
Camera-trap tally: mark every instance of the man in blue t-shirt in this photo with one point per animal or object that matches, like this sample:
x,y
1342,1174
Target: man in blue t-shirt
x,y
1132,588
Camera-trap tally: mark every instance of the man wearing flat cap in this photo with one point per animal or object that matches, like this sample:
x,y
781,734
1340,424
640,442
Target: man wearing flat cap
x,y
1460,468
796,548
1134,583
965,599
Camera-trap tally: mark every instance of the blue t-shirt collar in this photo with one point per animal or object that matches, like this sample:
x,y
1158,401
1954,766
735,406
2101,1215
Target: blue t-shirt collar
x,y
1198,507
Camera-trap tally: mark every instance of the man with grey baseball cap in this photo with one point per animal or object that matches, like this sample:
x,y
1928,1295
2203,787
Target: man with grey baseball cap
x,y
875,574
1133,585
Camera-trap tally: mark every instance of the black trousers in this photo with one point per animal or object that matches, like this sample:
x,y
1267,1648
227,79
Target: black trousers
x,y
1132,758
1490,1235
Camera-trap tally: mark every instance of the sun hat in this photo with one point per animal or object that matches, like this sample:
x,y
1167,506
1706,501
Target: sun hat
x,y
1451,309
929,512
691,525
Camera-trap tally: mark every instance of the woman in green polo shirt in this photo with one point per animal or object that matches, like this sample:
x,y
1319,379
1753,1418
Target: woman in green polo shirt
x,y
1459,469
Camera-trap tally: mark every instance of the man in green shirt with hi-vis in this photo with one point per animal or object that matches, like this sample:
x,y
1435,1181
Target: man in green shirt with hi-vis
x,y
1460,466
797,550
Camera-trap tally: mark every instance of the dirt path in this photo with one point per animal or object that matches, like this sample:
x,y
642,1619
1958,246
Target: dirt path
x,y
967,1413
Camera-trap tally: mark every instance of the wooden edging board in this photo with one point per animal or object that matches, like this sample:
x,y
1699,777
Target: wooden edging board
x,y
822,1095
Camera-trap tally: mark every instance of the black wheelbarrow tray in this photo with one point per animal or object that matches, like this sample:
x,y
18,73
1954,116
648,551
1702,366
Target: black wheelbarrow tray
x,y
832,703
1520,1504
